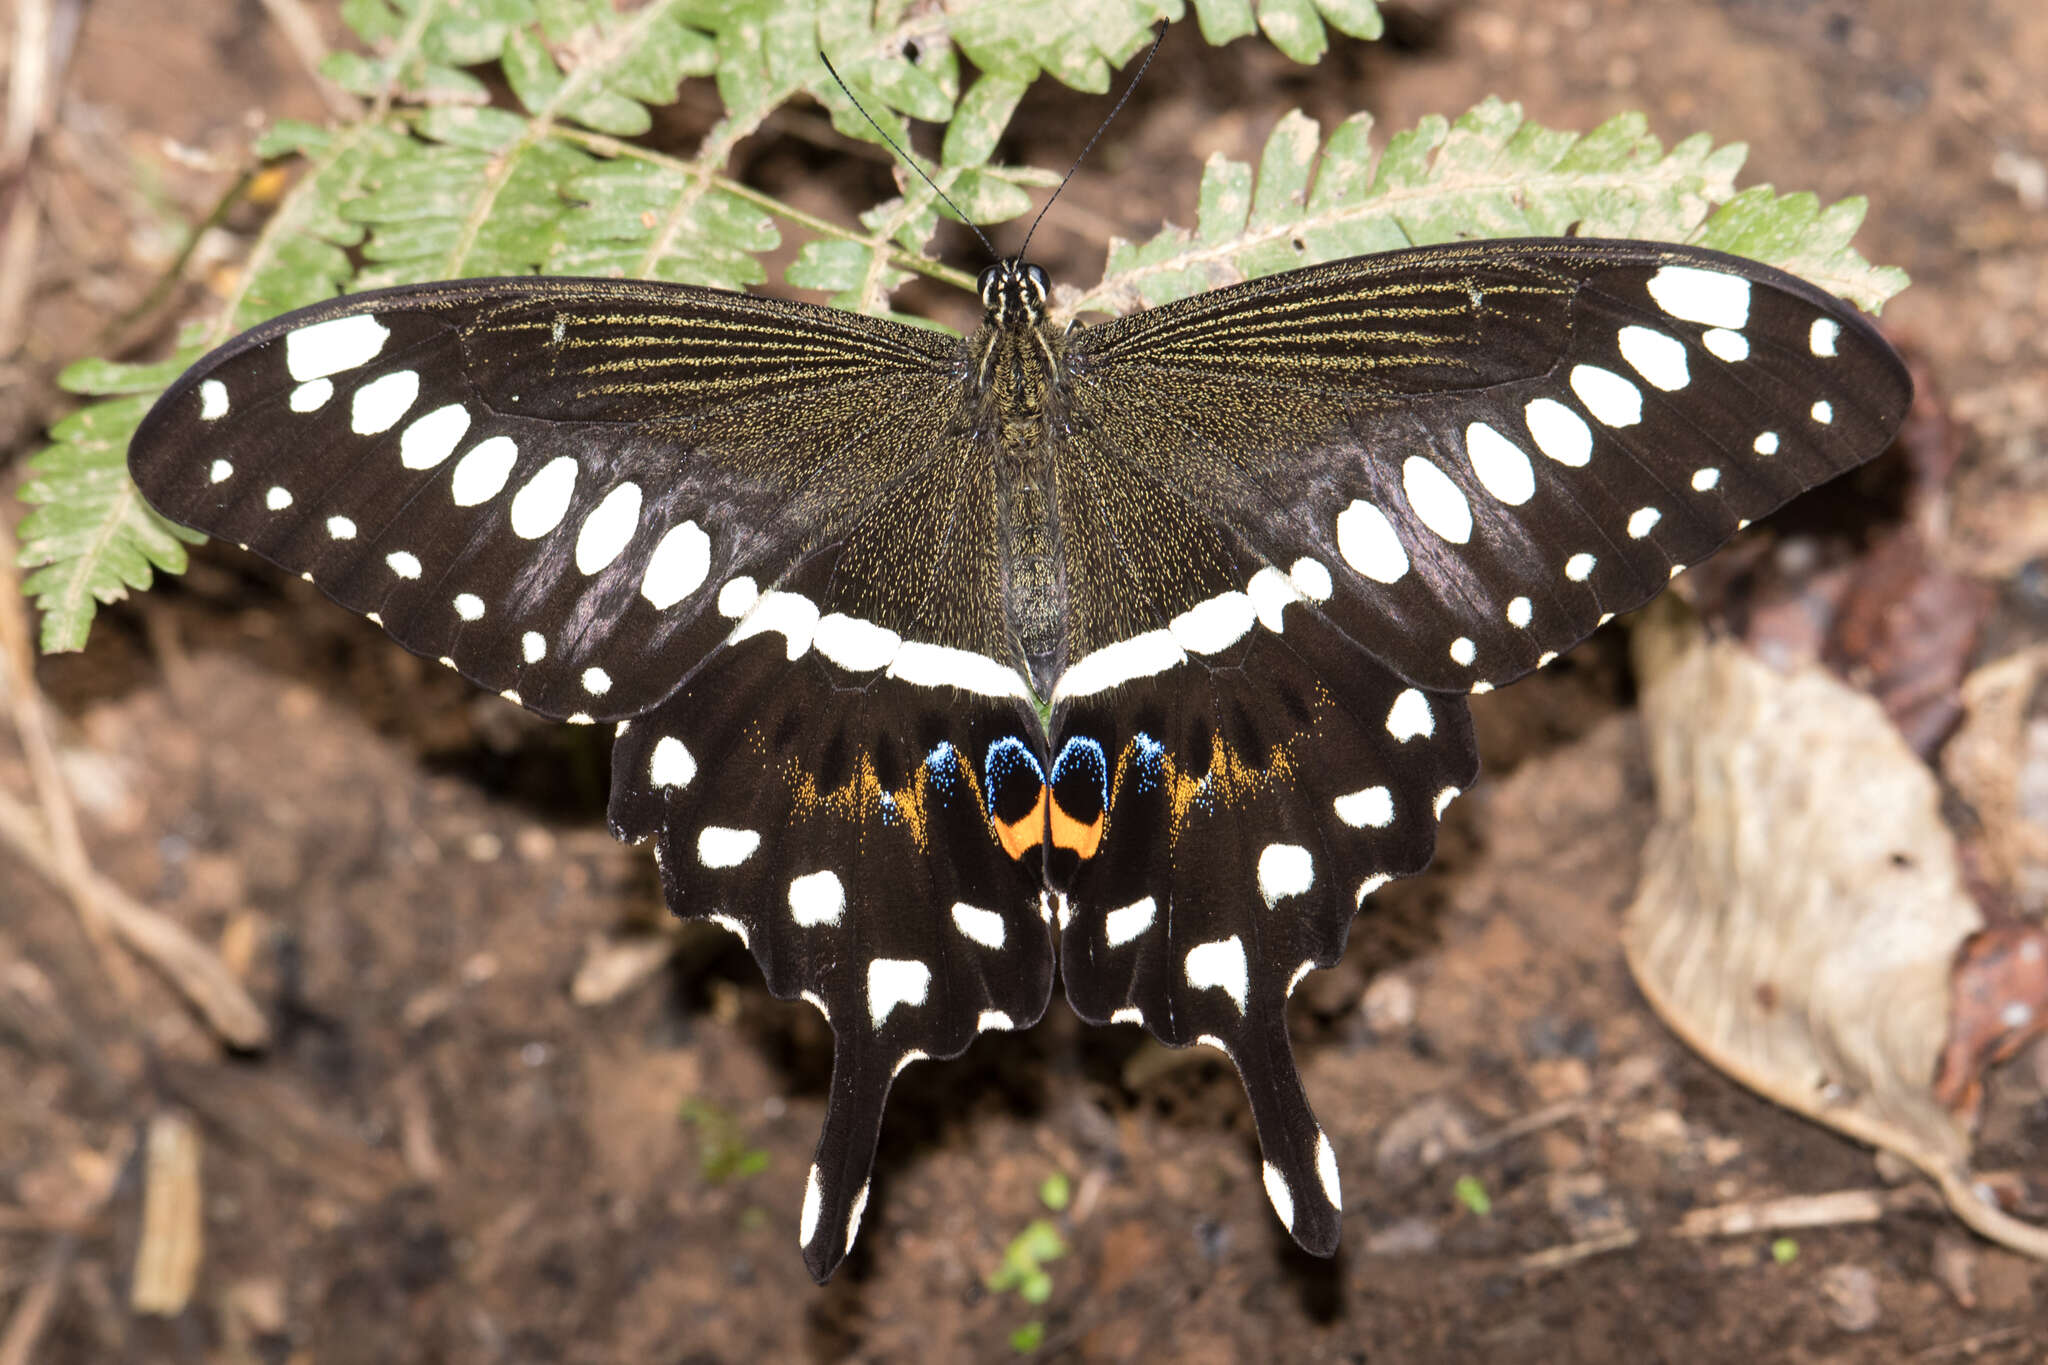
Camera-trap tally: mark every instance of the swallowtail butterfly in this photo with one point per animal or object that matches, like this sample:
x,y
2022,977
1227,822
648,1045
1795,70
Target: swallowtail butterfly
x,y
1140,647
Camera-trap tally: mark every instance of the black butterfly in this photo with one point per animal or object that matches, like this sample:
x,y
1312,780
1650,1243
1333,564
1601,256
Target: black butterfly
x,y
1142,644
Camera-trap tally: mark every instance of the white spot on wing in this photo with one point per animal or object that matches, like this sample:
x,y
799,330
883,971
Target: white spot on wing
x,y
1520,612
860,1201
1326,1171
1367,541
379,404
1141,656
1126,922
1766,444
1579,567
220,471
596,681
1215,625
1311,577
790,614
1502,468
1560,433
1726,345
737,597
1129,1014
1220,966
341,528
1822,335
719,846
925,665
480,475
1436,500
213,400
855,645
814,1198
278,498
1711,297
1705,480
893,982
404,563
324,348
312,395
1371,884
533,646
983,926
1656,356
1282,1197
608,528
678,566
672,764
1824,412
1642,521
1607,395
1271,592
469,606
1371,808
539,506
1463,652
989,1021
1410,717
1443,800
1285,870
428,440
817,898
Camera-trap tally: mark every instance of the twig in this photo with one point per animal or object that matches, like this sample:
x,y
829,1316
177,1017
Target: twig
x,y
193,969
32,1312
112,336
66,861
25,1329
44,35
1833,1209
1972,1345
1557,1257
303,33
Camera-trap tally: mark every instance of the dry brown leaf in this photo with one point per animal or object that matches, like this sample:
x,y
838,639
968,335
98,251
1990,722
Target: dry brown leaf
x,y
1801,902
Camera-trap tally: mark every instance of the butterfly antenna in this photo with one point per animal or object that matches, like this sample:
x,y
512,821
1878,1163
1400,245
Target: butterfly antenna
x,y
1151,52
904,156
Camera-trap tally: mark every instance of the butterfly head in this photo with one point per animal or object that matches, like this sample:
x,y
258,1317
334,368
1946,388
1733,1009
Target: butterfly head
x,y
1014,292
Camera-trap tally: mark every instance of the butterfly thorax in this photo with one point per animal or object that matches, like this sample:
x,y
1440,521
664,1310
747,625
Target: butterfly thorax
x,y
1019,374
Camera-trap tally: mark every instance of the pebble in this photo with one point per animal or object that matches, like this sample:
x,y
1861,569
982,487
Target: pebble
x,y
1851,1294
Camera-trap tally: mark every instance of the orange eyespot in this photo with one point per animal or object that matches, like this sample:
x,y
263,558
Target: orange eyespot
x,y
1071,834
1018,837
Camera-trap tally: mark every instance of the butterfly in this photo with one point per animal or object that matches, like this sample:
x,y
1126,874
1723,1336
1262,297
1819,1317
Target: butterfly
x,y
1139,648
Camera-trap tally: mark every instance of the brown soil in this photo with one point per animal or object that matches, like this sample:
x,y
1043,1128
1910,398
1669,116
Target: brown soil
x,y
443,1157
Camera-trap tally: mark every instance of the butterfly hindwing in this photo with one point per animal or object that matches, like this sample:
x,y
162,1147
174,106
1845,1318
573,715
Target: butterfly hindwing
x,y
1496,445
1223,825
854,835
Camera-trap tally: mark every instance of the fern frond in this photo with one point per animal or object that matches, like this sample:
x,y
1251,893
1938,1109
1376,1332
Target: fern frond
x,y
1493,173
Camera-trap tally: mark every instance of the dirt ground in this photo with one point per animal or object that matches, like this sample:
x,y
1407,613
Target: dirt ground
x,y
443,1154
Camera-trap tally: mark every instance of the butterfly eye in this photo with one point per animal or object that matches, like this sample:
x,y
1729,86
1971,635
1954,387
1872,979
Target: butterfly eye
x,y
1039,281
990,284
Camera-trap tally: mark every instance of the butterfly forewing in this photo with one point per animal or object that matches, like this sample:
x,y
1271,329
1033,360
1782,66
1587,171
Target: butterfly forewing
x,y
1252,548
1494,446
564,488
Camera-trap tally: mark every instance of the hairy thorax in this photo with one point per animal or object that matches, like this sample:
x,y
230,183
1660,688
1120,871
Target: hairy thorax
x,y
1020,367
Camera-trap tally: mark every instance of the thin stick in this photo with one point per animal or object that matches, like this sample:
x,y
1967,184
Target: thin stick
x,y
72,869
303,33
